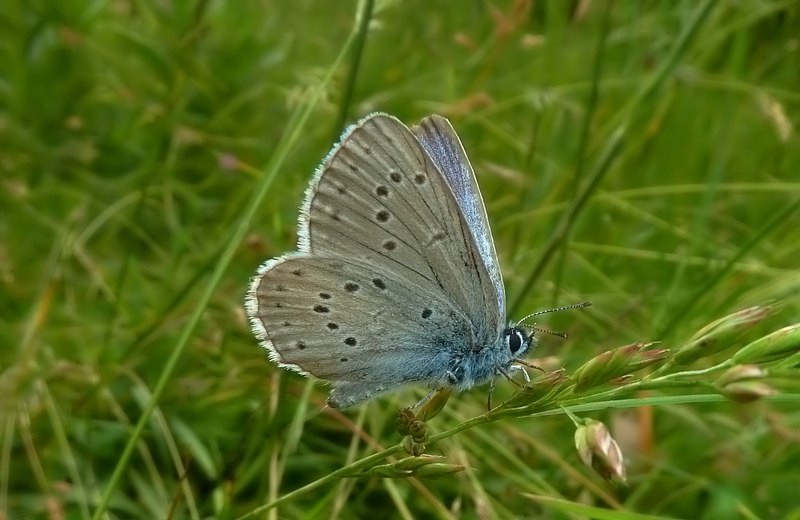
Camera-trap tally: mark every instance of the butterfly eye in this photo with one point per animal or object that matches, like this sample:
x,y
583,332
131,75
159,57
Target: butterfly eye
x,y
514,341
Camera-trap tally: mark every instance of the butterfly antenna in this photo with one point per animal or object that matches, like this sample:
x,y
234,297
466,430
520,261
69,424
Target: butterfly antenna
x,y
547,311
558,333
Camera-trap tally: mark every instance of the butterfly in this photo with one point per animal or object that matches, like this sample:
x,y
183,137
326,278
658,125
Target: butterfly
x,y
395,279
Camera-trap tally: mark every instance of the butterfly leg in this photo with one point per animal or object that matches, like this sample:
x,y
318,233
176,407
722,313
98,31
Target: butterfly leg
x,y
530,365
519,368
506,373
452,377
424,399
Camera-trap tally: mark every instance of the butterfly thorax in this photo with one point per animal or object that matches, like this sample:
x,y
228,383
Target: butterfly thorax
x,y
486,360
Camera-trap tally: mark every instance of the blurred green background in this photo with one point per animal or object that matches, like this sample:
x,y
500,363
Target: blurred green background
x,y
134,134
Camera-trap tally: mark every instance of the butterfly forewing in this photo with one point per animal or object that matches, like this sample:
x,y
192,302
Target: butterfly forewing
x,y
440,140
380,198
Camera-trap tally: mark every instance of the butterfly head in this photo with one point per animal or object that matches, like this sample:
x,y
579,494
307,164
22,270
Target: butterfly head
x,y
519,340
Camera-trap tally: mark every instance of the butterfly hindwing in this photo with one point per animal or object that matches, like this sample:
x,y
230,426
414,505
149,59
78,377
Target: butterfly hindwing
x,y
363,329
